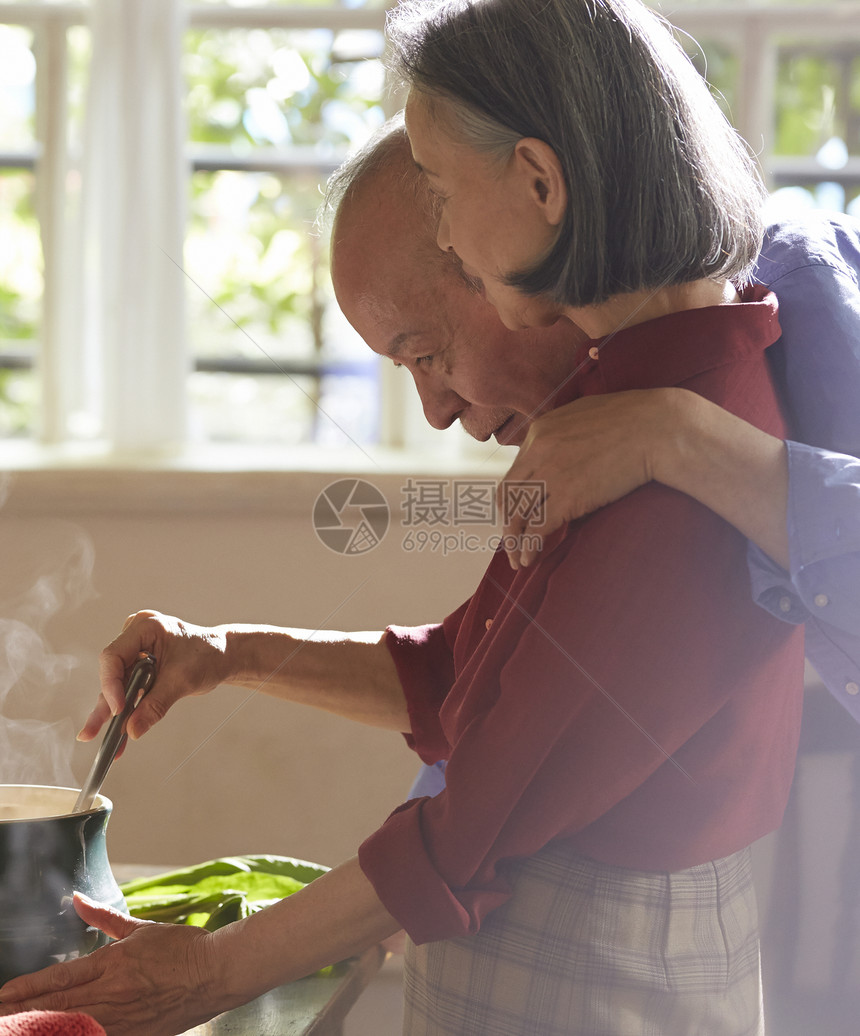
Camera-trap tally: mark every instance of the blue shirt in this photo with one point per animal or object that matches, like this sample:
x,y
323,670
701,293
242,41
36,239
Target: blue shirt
x,y
813,266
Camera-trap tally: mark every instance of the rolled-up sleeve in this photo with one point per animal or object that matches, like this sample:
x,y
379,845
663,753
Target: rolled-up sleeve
x,y
425,667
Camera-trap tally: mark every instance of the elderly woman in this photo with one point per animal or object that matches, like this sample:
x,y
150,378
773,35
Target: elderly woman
x,y
619,719
583,172
798,502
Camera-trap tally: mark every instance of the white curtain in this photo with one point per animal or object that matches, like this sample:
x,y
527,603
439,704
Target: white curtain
x,y
131,362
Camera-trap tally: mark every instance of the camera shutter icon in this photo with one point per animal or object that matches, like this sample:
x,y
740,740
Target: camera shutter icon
x,y
351,516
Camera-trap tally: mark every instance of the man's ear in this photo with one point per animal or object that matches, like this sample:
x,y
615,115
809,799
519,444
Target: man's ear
x,y
538,164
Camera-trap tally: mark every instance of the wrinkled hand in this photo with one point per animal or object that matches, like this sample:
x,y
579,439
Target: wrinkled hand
x,y
587,454
156,980
191,660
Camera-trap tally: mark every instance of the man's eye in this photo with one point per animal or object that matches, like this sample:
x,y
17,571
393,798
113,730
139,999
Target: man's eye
x,y
419,361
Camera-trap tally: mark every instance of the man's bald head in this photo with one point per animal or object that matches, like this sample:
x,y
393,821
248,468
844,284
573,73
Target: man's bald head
x,y
410,302
384,214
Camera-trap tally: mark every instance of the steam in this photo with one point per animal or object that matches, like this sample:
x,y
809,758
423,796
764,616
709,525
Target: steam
x,y
36,732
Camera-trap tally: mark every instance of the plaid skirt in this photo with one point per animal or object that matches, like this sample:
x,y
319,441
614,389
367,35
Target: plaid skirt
x,y
587,949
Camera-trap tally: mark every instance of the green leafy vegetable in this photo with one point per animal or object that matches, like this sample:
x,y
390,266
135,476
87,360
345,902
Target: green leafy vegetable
x,y
212,894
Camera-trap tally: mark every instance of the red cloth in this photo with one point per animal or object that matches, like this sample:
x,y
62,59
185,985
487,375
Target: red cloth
x,y
629,698
49,1023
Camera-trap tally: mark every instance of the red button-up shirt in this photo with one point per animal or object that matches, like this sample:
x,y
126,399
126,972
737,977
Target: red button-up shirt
x,y
628,697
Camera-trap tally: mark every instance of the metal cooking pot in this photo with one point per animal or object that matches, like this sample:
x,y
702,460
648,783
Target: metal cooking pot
x,y
47,852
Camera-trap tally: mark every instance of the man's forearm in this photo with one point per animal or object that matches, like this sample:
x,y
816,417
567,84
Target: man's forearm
x,y
735,469
351,674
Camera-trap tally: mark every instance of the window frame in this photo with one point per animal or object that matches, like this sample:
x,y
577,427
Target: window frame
x,y
752,31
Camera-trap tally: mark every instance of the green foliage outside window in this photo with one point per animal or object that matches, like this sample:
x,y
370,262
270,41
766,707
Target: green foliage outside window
x,y
251,90
20,296
251,243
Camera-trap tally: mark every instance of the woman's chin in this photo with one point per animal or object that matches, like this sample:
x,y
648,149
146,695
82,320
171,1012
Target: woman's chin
x,y
512,432
526,312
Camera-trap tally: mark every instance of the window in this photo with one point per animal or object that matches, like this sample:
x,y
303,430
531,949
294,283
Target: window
x,y
40,122
160,285
270,113
162,280
789,79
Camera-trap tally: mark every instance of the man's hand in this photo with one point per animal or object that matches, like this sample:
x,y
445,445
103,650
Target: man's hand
x,y
587,454
155,980
191,660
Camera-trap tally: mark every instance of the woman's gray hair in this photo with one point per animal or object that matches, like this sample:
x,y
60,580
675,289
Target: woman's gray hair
x,y
661,190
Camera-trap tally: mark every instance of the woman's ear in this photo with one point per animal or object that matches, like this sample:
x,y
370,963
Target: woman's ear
x,y
538,164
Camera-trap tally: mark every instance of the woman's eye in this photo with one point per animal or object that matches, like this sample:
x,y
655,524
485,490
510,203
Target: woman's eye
x,y
423,361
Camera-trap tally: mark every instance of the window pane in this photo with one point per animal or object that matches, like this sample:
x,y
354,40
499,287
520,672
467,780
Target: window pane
x,y
79,43
250,249
21,260
17,88
818,101
718,64
288,409
290,103
817,122
261,293
20,301
277,88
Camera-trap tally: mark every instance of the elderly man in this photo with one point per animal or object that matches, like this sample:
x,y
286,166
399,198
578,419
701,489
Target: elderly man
x,y
620,708
412,305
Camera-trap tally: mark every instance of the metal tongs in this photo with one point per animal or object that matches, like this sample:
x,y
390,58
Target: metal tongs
x,y
140,680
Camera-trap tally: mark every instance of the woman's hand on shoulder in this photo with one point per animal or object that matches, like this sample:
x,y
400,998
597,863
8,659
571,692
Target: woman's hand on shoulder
x,y
583,456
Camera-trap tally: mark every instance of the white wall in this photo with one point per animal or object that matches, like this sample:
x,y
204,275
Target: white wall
x,y
272,776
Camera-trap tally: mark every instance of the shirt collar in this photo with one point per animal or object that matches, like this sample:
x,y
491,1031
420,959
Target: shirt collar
x,y
672,349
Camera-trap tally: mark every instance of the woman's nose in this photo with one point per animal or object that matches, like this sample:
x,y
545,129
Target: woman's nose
x,y
443,234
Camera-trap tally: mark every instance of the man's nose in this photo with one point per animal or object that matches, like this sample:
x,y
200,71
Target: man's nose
x,y
441,406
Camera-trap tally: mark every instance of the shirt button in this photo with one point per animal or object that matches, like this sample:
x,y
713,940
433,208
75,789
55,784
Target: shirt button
x,y
852,688
594,352
488,623
785,604
821,600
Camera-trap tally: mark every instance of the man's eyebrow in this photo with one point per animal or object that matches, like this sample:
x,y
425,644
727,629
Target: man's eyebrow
x,y
400,341
397,342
